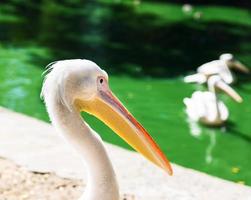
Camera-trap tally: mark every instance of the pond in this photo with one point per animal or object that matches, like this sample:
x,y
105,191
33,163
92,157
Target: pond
x,y
146,77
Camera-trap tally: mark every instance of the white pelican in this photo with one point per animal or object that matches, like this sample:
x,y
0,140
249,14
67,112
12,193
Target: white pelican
x,y
187,8
205,106
219,67
78,85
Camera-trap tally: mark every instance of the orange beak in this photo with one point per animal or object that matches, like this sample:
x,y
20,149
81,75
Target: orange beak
x,y
106,107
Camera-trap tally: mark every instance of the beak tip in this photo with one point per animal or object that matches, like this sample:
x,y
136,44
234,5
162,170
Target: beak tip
x,y
239,99
169,169
170,172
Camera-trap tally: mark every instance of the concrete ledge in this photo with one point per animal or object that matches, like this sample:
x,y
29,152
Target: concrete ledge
x,y
35,145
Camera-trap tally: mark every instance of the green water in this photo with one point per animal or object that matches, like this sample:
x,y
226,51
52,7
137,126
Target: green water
x,y
146,49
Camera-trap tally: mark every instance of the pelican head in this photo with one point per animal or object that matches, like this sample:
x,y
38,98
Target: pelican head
x,y
216,83
233,63
226,57
81,85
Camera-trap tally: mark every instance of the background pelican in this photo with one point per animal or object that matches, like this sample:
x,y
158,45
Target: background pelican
x,y
205,106
79,85
219,67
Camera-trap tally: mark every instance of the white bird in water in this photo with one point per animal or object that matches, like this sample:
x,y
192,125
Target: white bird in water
x,y
205,107
187,8
72,86
219,67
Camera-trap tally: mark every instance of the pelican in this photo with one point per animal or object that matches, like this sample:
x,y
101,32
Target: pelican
x,y
219,67
72,86
205,107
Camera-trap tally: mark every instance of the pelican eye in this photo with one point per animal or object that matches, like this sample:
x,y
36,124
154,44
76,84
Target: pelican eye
x,y
101,81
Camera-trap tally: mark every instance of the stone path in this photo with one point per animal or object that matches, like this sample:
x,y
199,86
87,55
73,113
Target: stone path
x,y
17,183
36,147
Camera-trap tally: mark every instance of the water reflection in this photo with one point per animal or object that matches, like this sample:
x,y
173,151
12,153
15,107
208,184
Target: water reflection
x,y
210,147
195,129
198,132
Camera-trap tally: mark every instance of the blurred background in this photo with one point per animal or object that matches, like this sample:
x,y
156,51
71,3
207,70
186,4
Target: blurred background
x,y
147,47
